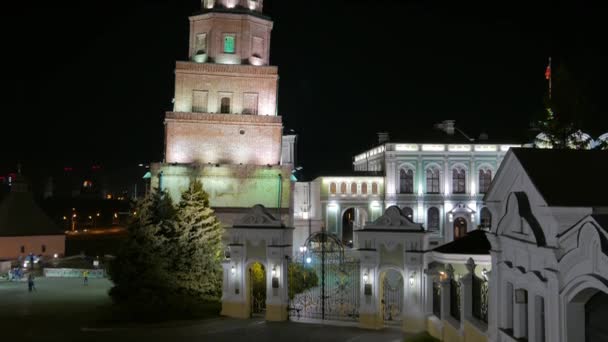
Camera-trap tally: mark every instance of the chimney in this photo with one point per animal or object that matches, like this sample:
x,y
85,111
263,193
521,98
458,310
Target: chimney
x,y
383,137
449,126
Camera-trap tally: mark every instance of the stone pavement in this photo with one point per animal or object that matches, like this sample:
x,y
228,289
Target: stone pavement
x,y
65,310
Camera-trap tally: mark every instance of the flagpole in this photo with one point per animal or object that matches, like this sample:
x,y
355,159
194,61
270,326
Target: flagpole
x,y
550,76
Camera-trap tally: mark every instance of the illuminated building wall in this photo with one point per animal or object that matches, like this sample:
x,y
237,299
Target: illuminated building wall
x,y
225,97
224,129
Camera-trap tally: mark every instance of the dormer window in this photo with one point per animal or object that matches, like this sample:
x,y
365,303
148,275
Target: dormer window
x,y
229,43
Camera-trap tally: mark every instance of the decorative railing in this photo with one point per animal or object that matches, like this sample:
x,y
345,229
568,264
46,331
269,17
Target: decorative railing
x,y
227,68
189,116
480,299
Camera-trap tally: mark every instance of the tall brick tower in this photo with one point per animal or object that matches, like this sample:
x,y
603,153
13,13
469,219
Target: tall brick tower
x,y
224,128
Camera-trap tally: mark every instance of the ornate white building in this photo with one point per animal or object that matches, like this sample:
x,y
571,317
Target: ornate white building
x,y
440,184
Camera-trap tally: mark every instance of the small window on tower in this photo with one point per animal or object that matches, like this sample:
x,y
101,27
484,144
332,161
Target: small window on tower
x,y
229,43
201,44
250,104
225,105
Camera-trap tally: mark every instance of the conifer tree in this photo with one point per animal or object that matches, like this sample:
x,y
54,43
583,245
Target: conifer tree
x,y
196,245
140,265
564,114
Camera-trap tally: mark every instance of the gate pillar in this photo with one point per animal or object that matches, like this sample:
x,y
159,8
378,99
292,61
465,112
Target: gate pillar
x,y
234,302
257,237
392,240
414,317
370,315
277,286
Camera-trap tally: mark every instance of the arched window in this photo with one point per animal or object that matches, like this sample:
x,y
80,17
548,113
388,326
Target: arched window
x,y
485,218
485,178
406,181
343,188
353,188
432,180
225,105
408,212
459,181
364,188
332,188
374,188
432,218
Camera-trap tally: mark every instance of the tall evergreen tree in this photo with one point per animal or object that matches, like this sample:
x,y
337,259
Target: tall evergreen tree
x,y
196,245
140,265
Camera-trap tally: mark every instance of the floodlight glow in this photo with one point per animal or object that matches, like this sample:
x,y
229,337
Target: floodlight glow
x,y
308,260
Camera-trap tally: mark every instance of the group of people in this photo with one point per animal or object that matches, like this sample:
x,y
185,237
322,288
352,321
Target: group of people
x,y
17,274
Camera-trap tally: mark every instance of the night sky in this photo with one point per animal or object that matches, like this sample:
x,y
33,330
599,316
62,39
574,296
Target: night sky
x,y
89,81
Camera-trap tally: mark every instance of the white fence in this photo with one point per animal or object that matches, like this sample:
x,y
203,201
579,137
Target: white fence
x,y
73,272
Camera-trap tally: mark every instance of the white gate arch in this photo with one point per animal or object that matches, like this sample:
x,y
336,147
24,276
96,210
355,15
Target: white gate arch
x,y
257,237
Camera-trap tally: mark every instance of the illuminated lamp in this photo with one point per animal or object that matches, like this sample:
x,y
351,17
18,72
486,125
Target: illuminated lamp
x,y
412,276
308,260
232,270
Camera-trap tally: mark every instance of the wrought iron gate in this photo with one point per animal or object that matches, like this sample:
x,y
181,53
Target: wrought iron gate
x,y
257,288
392,297
335,296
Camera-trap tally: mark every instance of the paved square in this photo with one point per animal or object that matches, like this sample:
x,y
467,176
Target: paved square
x,y
66,310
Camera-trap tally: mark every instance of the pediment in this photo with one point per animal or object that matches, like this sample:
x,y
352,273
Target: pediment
x,y
393,219
258,217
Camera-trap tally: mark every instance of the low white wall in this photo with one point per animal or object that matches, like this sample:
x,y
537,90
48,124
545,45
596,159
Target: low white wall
x,y
72,273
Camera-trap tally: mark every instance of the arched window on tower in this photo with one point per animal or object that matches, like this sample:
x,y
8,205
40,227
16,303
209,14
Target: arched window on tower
x,y
332,188
343,188
459,180
364,188
485,218
374,188
432,180
432,219
485,179
225,105
353,188
408,212
406,181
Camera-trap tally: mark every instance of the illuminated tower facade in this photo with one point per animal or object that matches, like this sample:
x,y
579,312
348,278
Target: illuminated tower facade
x,y
225,108
224,128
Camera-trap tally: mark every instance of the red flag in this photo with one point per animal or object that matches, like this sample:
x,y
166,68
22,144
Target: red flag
x,y
548,72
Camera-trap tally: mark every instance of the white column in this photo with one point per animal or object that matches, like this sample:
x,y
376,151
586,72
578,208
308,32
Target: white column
x,y
494,293
445,293
466,293
520,314
369,302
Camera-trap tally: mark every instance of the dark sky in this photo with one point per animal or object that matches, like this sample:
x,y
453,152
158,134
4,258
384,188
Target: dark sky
x,y
89,81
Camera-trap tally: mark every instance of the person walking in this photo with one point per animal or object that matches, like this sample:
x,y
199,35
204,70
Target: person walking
x,y
30,283
85,277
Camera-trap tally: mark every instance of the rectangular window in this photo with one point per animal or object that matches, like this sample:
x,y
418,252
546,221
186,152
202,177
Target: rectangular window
x,y
432,181
199,101
229,43
250,104
225,102
459,181
200,46
43,248
257,48
22,249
